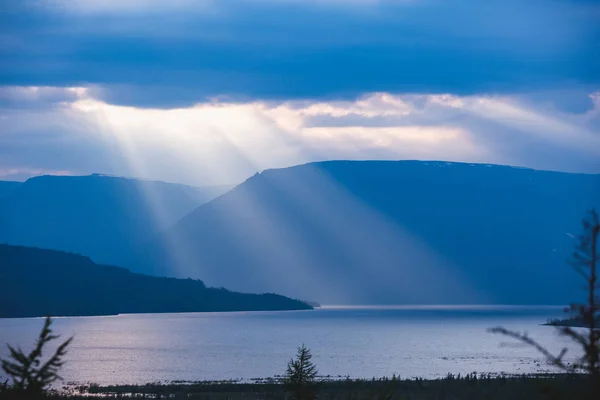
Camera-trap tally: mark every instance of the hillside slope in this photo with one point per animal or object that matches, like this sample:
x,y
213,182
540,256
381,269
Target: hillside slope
x,y
96,215
387,232
36,282
7,187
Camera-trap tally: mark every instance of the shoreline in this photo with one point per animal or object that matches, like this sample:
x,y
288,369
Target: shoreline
x,y
314,306
572,323
160,313
469,386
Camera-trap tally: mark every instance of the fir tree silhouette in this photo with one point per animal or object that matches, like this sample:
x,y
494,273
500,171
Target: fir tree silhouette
x,y
27,373
300,376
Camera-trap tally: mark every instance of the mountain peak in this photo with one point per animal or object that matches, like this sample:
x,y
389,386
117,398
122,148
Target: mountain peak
x,y
376,231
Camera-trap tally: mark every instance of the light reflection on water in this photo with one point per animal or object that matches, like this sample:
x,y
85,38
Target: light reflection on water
x,y
356,341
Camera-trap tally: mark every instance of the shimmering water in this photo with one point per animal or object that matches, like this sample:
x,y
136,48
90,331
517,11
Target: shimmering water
x,y
356,341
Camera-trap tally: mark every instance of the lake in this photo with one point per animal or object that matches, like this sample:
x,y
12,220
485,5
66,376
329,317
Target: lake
x,y
365,342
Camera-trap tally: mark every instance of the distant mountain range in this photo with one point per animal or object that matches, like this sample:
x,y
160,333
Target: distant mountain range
x,y
36,282
97,215
377,232
6,187
338,232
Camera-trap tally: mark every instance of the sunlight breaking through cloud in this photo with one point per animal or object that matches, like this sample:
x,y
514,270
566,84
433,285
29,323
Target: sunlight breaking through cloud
x,y
222,142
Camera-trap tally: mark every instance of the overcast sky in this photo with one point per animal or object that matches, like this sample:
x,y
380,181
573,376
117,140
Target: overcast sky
x,y
208,91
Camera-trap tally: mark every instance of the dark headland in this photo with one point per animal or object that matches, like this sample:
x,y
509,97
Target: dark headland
x,y
37,282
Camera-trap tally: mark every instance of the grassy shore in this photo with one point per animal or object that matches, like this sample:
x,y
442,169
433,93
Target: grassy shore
x,y
467,387
573,322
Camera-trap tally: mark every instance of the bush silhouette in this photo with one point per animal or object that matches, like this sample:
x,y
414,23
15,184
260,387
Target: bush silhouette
x,y
300,376
27,373
585,262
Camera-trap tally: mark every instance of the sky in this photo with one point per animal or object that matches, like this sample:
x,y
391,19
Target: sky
x,y
209,92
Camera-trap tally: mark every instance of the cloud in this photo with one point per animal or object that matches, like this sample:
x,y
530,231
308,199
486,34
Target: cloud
x,y
70,129
118,6
20,97
176,53
19,174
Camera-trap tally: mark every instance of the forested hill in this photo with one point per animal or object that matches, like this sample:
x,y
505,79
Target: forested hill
x,y
37,282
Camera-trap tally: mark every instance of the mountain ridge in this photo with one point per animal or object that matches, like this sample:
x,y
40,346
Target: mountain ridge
x,y
441,163
344,231
96,215
7,187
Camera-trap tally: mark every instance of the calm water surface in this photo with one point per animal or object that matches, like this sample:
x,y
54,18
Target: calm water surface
x,y
356,341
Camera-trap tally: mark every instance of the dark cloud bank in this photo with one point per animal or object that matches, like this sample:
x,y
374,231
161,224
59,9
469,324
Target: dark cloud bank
x,y
162,55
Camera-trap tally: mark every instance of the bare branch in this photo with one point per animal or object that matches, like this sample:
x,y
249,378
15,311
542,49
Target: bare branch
x,y
585,262
523,337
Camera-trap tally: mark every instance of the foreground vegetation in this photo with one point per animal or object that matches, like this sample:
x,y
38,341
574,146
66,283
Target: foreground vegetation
x,y
469,387
585,262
